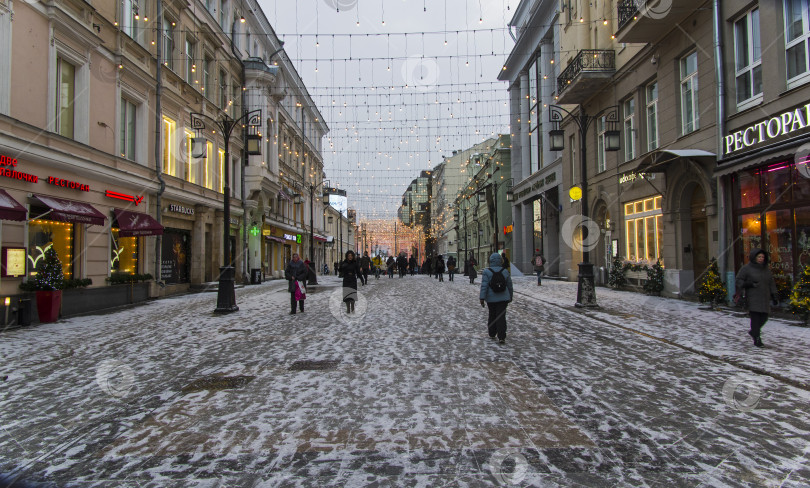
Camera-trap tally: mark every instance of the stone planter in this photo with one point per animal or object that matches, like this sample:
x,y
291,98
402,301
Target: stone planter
x,y
48,304
78,301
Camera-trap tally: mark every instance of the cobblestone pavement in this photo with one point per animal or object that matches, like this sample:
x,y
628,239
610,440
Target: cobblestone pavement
x,y
410,391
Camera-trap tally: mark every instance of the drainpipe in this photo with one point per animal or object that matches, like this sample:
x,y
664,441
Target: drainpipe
x,y
158,139
722,258
245,252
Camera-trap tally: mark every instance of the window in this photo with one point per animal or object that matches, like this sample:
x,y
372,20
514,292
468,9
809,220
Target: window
x,y
629,129
748,57
223,15
43,234
169,162
65,97
191,65
206,88
130,14
689,94
221,170
797,35
123,253
190,175
652,116
223,90
601,154
127,129
644,230
168,43
208,173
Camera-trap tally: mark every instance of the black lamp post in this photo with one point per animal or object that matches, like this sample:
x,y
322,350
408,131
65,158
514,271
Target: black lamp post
x,y
226,294
586,292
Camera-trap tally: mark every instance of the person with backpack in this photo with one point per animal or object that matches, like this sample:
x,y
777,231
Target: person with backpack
x,y
496,293
451,267
539,265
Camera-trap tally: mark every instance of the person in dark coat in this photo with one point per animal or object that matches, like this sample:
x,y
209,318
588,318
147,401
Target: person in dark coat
x,y
365,265
350,270
471,263
451,267
402,264
539,263
296,273
506,263
390,265
412,265
336,268
757,282
496,301
440,267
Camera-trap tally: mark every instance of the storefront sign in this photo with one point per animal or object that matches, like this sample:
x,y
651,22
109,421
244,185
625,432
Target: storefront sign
x,y
507,229
73,185
538,185
181,209
293,237
124,196
7,161
781,125
575,193
629,177
18,175
13,261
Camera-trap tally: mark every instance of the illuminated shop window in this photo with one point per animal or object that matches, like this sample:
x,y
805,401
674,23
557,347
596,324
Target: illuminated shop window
x,y
43,234
644,230
123,253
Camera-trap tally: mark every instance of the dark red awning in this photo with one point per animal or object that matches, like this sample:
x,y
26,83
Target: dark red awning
x,y
70,211
136,224
319,238
10,209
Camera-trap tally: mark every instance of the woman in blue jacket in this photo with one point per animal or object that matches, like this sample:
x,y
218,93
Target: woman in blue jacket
x,y
496,299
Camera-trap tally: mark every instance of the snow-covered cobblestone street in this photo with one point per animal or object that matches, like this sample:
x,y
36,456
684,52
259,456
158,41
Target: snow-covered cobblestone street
x,y
410,391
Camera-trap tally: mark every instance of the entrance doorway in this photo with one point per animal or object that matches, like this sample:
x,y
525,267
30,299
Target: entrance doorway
x,y
700,235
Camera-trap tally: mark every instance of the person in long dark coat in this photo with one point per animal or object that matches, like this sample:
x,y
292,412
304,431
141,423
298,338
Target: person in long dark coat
x,y
756,280
402,264
451,267
391,264
412,265
471,269
440,267
350,270
296,271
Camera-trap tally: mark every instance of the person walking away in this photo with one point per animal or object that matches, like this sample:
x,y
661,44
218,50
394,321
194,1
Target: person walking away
x,y
337,265
412,265
296,273
402,264
376,262
440,267
756,281
472,273
365,266
539,265
451,267
350,270
390,265
506,263
496,293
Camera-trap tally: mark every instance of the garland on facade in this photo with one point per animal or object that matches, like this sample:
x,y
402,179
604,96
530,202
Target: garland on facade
x,y
800,298
655,278
712,289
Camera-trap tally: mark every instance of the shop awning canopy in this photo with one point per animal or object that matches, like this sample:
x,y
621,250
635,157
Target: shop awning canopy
x,y
70,211
319,238
274,238
658,161
136,224
10,209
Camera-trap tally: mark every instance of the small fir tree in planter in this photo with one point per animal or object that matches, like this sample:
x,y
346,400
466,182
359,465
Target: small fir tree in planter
x,y
48,283
655,279
800,297
616,278
712,290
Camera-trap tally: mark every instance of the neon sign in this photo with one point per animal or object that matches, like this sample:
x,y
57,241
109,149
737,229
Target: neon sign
x,y
781,125
73,185
123,196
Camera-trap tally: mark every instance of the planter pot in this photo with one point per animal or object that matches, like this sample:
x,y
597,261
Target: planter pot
x,y
48,305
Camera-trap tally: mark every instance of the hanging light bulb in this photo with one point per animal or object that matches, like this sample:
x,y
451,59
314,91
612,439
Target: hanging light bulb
x,y
242,19
604,21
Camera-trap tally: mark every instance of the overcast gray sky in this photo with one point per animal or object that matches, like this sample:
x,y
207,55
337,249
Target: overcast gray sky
x,y
399,95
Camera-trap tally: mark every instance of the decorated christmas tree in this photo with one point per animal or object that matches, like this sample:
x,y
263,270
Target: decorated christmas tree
x,y
712,290
616,278
800,297
49,274
655,279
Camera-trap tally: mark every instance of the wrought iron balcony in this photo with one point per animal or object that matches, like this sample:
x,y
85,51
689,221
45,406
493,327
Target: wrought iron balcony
x,y
650,20
586,74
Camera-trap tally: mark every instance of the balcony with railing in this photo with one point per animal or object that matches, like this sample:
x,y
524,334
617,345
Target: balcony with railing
x,y
585,75
650,20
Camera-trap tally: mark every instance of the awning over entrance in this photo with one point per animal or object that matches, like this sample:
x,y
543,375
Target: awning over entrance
x,y
10,209
658,161
274,238
319,238
70,211
135,224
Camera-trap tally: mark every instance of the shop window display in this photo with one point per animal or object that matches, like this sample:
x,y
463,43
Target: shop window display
x,y
777,184
123,253
43,234
644,230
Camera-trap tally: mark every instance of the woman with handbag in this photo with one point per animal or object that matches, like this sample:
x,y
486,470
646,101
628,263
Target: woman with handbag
x,y
296,273
350,270
756,281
